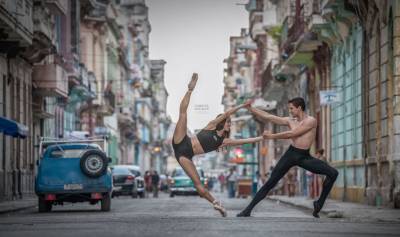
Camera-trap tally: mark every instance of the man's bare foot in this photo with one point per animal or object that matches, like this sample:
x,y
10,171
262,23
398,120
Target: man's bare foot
x,y
193,81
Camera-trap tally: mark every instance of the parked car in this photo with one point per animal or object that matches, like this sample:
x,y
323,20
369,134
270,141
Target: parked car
x,y
72,171
180,183
127,181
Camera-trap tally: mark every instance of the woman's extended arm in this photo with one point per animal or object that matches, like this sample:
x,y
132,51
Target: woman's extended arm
x,y
225,115
237,142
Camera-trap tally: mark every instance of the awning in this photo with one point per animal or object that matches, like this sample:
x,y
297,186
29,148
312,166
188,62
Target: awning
x,y
12,128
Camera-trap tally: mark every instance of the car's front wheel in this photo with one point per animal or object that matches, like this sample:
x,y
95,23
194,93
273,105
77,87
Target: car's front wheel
x,y
106,202
172,194
44,206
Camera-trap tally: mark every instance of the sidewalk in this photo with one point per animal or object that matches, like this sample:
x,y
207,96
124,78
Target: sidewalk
x,y
338,209
17,205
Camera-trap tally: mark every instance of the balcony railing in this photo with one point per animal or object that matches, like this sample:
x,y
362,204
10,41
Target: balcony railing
x,y
57,7
132,2
109,99
16,20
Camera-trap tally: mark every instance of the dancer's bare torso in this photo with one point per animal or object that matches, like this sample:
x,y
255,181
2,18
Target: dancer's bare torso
x,y
306,140
197,148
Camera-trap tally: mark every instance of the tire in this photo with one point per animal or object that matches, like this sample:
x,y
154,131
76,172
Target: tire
x,y
134,194
141,195
44,206
94,163
106,203
172,194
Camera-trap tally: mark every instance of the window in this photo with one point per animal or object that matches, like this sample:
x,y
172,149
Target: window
x,y
120,171
73,153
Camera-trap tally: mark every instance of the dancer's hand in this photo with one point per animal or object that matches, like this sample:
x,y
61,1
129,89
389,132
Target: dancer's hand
x,y
193,81
267,134
248,103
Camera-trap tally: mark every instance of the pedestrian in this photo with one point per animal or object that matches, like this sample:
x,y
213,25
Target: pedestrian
x,y
147,183
221,180
214,136
303,129
210,183
232,182
155,183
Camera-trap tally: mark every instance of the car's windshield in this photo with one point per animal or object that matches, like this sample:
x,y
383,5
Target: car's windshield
x,y
181,173
71,153
135,172
120,170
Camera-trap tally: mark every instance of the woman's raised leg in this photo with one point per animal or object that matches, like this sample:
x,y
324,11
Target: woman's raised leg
x,y
181,125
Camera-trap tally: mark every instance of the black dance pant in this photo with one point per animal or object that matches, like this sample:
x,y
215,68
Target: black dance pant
x,y
292,157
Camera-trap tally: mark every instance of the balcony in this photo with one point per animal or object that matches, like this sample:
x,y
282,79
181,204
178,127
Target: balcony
x,y
92,84
125,118
38,109
42,22
42,44
73,69
256,24
16,21
132,2
269,17
51,80
106,106
230,83
84,77
57,7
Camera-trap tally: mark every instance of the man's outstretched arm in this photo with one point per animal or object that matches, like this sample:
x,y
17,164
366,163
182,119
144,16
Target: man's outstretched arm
x,y
300,130
269,117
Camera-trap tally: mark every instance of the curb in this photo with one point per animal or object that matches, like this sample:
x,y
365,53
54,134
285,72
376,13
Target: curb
x,y
15,209
301,206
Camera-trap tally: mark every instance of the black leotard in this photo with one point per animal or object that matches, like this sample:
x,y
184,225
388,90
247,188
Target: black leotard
x,y
209,140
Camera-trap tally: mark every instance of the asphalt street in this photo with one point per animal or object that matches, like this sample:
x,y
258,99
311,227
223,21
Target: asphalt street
x,y
184,216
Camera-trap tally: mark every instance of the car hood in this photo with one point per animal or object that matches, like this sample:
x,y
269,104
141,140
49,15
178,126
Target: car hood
x,y
184,181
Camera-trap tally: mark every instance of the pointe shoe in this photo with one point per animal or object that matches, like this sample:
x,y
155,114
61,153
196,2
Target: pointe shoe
x,y
317,208
217,206
193,81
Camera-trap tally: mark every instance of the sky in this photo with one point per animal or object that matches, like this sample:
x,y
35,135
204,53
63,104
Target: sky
x,y
193,36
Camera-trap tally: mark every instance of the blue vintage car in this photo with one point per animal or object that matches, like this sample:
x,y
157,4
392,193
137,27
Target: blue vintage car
x,y
73,172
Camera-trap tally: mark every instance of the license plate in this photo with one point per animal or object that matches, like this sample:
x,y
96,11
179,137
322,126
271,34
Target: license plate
x,y
117,188
73,186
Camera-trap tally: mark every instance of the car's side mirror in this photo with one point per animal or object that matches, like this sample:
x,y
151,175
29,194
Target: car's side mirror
x,y
37,162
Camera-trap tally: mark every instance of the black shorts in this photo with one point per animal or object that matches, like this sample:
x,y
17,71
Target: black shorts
x,y
184,148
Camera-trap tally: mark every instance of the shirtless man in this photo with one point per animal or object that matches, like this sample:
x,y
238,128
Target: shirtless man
x,y
302,133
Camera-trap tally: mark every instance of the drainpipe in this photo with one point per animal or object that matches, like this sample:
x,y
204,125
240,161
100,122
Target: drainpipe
x,y
364,98
378,131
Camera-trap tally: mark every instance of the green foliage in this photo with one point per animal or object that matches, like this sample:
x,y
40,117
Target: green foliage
x,y
275,32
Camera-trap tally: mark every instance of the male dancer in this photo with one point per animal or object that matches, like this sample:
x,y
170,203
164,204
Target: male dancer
x,y
302,133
